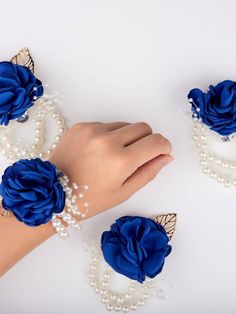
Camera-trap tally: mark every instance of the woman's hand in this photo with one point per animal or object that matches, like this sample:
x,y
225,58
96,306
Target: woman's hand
x,y
114,159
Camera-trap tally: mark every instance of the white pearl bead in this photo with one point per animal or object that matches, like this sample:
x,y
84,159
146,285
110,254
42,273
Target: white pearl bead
x,y
217,161
38,131
210,157
41,154
109,307
77,226
132,288
60,228
104,283
133,307
93,267
202,154
213,175
38,139
59,122
140,302
56,222
103,291
128,296
225,165
57,138
64,235
125,308
113,296
91,275
105,300
61,130
203,162
55,114
145,295
227,184
106,275
39,122
206,170
220,179
120,299
117,308
93,283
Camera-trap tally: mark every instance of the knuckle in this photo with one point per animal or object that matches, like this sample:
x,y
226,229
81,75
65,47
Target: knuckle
x,y
163,142
85,128
100,142
144,125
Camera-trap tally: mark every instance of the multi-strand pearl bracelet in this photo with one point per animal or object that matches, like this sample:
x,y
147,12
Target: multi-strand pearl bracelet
x,y
35,192
101,276
212,165
15,148
72,214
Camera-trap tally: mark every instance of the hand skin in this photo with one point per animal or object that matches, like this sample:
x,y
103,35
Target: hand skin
x,y
114,159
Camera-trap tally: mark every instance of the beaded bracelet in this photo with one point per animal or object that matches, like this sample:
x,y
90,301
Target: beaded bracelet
x,y
35,192
135,247
26,102
212,115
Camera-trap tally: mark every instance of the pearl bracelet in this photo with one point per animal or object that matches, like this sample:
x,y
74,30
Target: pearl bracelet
x,y
35,192
72,213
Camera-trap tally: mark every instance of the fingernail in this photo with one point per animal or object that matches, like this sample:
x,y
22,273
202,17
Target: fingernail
x,y
166,160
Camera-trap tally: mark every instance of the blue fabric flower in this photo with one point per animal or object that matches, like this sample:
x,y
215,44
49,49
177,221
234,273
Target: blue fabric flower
x,y
217,106
18,87
32,191
135,247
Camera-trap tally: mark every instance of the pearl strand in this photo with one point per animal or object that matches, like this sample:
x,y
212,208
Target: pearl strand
x,y
134,297
72,214
14,149
208,160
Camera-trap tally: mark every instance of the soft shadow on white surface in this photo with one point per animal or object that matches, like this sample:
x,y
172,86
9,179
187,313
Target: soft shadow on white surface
x,y
133,61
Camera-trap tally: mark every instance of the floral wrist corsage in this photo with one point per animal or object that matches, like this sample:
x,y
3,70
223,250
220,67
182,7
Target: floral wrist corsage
x,y
35,192
214,122
135,247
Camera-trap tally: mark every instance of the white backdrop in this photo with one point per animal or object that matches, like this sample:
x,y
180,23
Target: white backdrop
x,y
133,60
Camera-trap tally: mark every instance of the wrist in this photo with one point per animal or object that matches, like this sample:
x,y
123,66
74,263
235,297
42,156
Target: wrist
x,y
37,193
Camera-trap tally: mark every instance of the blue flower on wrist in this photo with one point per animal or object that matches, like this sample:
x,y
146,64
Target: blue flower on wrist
x,y
31,189
18,89
136,247
216,107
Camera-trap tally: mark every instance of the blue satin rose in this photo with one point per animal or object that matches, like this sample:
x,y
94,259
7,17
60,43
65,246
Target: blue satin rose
x,y
216,107
136,247
18,88
32,191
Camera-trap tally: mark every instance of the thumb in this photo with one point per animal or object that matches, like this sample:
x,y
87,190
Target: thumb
x,y
145,173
